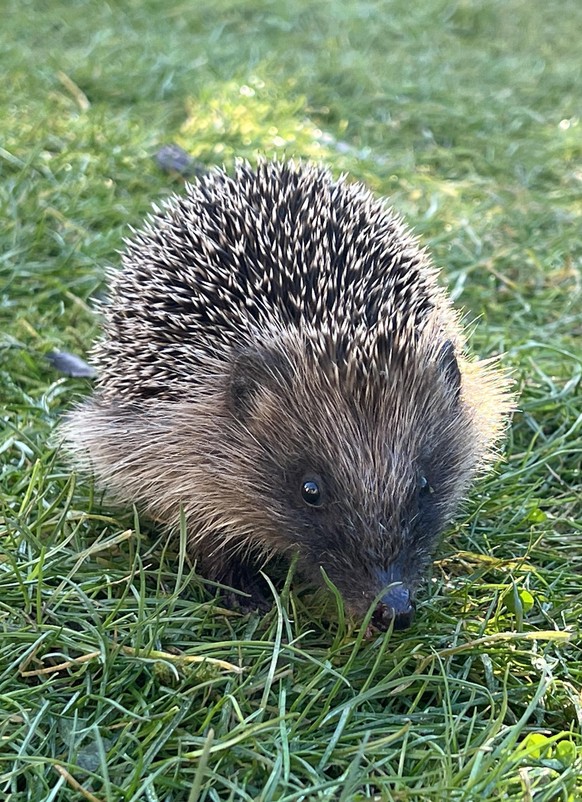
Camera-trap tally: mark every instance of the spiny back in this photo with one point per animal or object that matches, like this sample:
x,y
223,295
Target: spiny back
x,y
244,258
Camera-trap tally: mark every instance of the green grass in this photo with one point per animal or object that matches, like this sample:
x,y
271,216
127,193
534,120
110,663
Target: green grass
x,y
466,114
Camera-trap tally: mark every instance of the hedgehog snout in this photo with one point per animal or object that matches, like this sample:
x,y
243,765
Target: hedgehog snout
x,y
396,605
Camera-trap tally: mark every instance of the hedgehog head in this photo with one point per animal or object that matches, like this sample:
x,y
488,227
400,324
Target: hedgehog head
x,y
354,463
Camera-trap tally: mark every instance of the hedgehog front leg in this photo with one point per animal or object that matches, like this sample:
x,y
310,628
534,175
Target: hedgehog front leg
x,y
245,588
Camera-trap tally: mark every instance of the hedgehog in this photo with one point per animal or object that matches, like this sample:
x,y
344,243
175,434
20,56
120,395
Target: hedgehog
x,y
281,372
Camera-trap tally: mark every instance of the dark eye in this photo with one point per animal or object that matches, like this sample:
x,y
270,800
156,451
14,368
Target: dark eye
x,y
311,492
424,487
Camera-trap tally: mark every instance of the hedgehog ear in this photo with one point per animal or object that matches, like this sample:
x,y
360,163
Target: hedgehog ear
x,y
449,368
253,370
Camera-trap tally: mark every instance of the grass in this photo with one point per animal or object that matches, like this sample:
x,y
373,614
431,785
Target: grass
x,y
463,113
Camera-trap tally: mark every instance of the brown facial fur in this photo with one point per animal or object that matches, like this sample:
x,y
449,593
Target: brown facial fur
x,y
275,328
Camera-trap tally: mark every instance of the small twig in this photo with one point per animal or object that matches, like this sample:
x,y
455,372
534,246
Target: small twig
x,y
75,91
176,659
496,637
179,659
73,661
76,785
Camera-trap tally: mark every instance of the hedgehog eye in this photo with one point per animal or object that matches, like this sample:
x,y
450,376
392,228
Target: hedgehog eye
x,y
424,487
311,492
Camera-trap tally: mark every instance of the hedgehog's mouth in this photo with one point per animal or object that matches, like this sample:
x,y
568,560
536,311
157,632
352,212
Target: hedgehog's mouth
x,y
395,608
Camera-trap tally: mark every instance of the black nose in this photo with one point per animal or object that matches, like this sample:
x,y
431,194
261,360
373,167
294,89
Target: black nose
x,y
396,605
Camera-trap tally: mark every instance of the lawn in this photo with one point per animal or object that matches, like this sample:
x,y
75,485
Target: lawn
x,y
122,675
